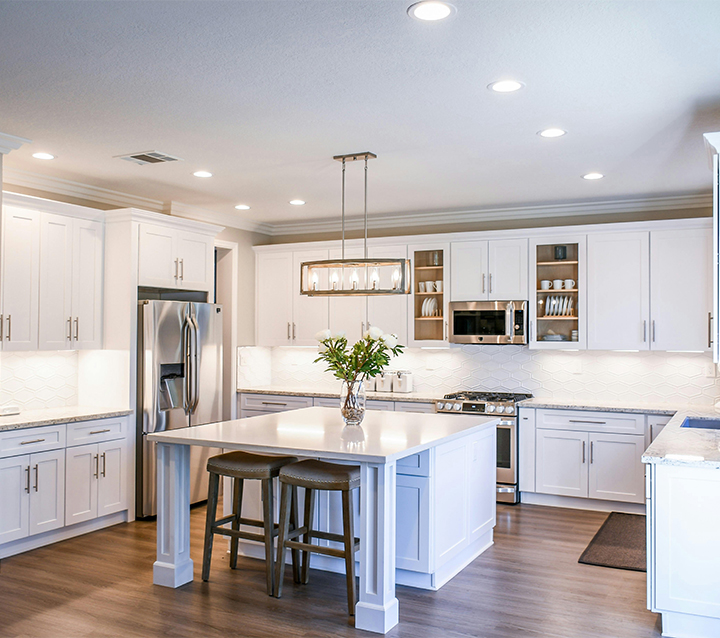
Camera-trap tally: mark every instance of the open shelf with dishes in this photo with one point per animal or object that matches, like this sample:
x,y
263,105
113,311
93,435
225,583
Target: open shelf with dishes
x,y
429,294
558,294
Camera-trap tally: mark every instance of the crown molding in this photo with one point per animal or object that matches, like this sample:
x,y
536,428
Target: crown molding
x,y
503,213
51,206
37,181
178,209
122,215
11,142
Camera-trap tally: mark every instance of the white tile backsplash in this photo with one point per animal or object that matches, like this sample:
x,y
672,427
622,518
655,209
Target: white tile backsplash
x,y
36,380
664,377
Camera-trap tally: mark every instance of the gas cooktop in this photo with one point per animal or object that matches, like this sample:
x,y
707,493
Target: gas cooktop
x,y
480,402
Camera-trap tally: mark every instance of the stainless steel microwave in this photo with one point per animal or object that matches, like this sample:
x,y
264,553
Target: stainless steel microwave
x,y
488,322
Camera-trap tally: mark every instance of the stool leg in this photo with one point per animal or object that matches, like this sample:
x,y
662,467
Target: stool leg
x,y
268,525
308,523
237,510
213,487
294,516
282,535
349,533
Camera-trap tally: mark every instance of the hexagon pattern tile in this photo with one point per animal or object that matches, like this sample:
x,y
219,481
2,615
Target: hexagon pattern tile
x,y
36,380
664,377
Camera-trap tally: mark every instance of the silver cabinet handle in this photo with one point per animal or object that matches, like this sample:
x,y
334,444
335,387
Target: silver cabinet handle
x,y
273,403
97,466
27,481
103,460
490,282
2,325
591,451
362,329
289,337
33,441
447,336
709,330
8,337
483,282
37,477
69,332
100,431
176,268
644,331
293,331
652,328
182,269
583,451
587,422
530,331
77,328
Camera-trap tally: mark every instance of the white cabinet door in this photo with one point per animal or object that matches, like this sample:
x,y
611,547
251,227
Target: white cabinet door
x,y
55,286
273,299
310,314
468,271
21,264
389,312
47,491
680,289
349,314
618,284
508,269
412,531
197,257
111,483
561,463
158,265
14,498
81,472
656,423
616,471
87,287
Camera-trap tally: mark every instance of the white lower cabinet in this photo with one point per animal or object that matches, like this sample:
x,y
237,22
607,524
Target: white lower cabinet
x,y
32,494
615,470
412,532
95,481
560,463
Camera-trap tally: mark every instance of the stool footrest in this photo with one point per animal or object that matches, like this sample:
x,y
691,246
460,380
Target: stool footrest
x,y
317,549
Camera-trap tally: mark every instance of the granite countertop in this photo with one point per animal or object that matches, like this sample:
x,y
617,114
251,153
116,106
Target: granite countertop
x,y
636,407
416,397
50,416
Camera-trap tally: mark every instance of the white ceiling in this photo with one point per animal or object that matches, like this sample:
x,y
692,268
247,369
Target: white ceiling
x,y
264,93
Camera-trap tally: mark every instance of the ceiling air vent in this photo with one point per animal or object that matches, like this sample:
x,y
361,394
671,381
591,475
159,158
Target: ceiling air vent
x,y
149,157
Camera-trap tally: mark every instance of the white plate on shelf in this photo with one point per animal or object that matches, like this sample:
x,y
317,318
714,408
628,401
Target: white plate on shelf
x,y
432,307
565,306
423,311
548,305
570,305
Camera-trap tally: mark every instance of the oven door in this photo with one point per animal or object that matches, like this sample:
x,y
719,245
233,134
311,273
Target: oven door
x,y
491,322
507,451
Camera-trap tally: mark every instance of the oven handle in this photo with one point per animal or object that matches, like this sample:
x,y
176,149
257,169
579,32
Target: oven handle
x,y
510,423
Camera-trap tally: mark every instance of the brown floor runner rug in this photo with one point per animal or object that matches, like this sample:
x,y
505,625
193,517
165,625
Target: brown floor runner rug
x,y
619,543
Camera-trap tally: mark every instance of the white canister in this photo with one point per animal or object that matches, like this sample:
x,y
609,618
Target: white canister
x,y
370,385
403,381
383,382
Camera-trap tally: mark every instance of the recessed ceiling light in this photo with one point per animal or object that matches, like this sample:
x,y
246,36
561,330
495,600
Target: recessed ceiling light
x,y
43,156
552,132
297,202
242,207
430,10
202,174
593,176
505,86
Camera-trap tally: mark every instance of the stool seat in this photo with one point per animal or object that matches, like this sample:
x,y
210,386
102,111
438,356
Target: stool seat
x,y
247,465
319,475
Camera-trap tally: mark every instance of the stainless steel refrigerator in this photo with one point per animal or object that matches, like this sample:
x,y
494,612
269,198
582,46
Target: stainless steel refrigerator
x,y
180,367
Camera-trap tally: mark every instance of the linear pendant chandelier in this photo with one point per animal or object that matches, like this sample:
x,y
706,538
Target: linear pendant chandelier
x,y
368,277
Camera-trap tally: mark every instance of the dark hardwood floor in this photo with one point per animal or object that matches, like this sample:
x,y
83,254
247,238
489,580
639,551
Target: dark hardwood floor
x,y
529,584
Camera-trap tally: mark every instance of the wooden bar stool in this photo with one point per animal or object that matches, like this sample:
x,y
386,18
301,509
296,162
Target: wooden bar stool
x,y
240,466
317,475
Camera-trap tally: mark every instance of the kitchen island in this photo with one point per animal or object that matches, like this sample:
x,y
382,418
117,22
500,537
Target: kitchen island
x,y
460,452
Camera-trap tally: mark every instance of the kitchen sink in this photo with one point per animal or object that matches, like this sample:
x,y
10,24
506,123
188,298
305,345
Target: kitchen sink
x,y
707,424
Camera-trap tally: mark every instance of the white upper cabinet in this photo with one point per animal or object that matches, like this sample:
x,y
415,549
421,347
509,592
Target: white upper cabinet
x,y
175,258
284,317
681,289
20,264
618,284
428,301
495,270
389,312
71,274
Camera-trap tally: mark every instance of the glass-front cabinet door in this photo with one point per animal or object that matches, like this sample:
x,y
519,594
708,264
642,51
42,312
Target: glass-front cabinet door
x,y
558,299
428,301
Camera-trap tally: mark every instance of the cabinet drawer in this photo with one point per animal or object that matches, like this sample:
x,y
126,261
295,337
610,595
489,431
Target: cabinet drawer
x,y
374,404
29,440
273,402
84,432
586,421
327,402
413,406
415,464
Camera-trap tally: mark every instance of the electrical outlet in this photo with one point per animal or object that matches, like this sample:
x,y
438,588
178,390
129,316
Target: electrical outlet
x,y
710,370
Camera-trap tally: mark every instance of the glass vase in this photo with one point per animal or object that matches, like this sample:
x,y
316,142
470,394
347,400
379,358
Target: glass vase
x,y
352,402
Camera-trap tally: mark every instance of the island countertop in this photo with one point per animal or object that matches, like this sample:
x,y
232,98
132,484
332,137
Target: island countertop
x,y
383,436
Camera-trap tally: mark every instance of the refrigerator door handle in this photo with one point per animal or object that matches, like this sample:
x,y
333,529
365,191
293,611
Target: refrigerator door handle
x,y
186,330
195,371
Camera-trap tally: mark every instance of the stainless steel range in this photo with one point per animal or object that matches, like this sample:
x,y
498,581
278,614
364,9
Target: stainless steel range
x,y
503,405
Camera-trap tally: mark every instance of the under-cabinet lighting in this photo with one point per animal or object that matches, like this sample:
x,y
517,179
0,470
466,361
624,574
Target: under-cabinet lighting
x,y
626,350
687,351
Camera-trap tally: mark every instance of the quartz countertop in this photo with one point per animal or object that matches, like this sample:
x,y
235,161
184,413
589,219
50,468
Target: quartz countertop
x,y
321,432
417,397
50,416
